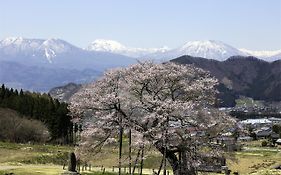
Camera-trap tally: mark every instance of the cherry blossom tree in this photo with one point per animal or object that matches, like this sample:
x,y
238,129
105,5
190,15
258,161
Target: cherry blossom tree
x,y
167,105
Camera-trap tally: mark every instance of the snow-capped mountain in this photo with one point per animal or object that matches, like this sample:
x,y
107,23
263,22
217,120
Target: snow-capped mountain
x,y
274,57
106,46
35,47
57,53
210,49
265,55
38,64
103,52
24,44
111,46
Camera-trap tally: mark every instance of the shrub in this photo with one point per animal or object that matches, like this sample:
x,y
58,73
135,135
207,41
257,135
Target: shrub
x,y
15,128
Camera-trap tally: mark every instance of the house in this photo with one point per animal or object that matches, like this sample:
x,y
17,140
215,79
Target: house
x,y
266,132
275,121
263,132
257,123
212,164
278,142
229,143
245,138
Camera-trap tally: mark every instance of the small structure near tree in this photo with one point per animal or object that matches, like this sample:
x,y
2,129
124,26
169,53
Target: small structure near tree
x,y
71,165
213,164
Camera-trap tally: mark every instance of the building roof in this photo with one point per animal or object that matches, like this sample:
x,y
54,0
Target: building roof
x,y
274,119
256,121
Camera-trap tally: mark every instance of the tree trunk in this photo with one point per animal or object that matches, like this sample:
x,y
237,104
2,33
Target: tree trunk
x,y
136,161
120,144
130,151
184,169
141,164
186,165
159,171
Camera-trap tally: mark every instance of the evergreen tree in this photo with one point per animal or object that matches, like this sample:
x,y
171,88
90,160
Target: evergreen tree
x,y
41,107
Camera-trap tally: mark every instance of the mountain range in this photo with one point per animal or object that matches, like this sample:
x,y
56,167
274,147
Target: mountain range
x,y
56,53
41,64
238,76
210,49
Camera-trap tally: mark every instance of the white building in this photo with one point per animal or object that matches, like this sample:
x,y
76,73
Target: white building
x,y
257,123
278,141
275,121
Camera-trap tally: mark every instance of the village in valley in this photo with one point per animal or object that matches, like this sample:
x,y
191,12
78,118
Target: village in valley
x,y
257,121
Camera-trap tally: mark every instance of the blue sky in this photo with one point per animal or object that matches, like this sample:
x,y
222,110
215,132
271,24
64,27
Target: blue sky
x,y
251,24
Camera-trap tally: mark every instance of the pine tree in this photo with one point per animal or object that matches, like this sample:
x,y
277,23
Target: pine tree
x,y
41,107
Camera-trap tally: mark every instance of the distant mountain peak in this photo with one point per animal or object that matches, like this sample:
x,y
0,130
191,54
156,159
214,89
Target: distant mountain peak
x,y
210,44
261,53
17,41
49,48
20,41
54,52
210,49
106,45
206,43
57,45
10,40
112,46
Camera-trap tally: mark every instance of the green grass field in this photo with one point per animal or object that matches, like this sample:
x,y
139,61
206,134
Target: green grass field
x,y
255,160
25,159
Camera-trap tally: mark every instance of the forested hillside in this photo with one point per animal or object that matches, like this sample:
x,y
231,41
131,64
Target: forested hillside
x,y
40,107
241,76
